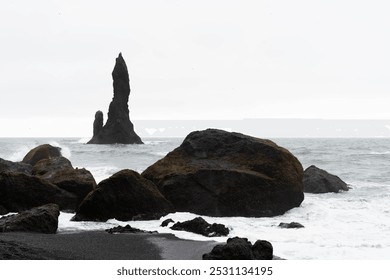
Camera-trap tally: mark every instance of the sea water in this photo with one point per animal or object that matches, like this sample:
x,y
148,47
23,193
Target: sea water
x,y
346,225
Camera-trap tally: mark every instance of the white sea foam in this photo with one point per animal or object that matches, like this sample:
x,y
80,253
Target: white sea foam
x,y
102,172
334,228
20,152
65,150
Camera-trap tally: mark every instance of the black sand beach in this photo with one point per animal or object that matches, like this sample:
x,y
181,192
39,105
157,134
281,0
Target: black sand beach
x,y
99,245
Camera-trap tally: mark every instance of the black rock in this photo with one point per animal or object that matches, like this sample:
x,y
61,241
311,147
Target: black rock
x,y
119,128
126,229
19,192
59,171
219,173
200,226
6,165
166,222
125,196
316,180
44,151
241,249
291,225
43,219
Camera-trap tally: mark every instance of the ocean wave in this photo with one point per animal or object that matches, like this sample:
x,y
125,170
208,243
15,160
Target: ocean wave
x,y
65,150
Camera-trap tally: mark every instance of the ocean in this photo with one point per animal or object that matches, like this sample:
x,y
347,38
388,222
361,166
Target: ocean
x,y
349,225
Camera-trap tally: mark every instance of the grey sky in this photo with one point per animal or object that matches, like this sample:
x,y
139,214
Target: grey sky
x,y
191,60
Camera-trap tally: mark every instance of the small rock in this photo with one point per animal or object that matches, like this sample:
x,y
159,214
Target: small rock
x,y
291,225
166,222
200,226
241,249
316,180
126,229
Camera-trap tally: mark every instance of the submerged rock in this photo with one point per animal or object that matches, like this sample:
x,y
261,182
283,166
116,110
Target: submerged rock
x,y
200,226
316,180
218,173
291,225
43,219
118,128
44,151
241,249
123,196
6,165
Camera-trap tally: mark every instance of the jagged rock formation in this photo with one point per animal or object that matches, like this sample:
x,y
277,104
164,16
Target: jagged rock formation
x,y
118,128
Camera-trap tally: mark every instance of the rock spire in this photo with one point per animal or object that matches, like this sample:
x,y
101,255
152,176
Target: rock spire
x,y
118,128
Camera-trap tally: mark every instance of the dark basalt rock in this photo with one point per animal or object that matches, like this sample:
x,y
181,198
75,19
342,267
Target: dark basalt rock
x,y
123,196
6,165
126,229
166,222
59,171
118,128
291,225
19,192
200,226
316,180
43,219
241,249
218,173
44,151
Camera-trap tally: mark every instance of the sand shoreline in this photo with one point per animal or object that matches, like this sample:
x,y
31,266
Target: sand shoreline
x,y
99,245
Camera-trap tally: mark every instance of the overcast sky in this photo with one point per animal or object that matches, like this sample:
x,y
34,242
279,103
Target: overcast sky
x,y
192,60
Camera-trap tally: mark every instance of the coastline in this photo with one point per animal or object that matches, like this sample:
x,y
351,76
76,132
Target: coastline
x,y
99,245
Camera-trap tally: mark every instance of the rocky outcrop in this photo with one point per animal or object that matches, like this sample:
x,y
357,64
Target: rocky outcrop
x,y
123,196
291,225
44,151
218,173
60,172
43,219
241,249
200,226
118,128
316,180
19,192
6,165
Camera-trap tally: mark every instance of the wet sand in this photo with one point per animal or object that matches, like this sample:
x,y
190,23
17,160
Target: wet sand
x,y
99,245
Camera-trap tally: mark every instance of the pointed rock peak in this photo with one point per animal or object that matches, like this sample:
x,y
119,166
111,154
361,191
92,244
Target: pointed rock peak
x,y
120,68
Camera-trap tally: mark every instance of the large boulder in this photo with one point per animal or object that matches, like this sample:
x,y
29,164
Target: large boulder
x,y
200,226
241,249
60,172
126,195
43,219
119,128
316,180
6,165
218,173
44,151
19,192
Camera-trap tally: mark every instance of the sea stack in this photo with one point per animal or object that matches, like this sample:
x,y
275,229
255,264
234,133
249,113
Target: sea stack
x,y
118,128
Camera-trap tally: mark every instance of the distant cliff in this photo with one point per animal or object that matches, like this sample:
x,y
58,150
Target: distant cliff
x,y
118,128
